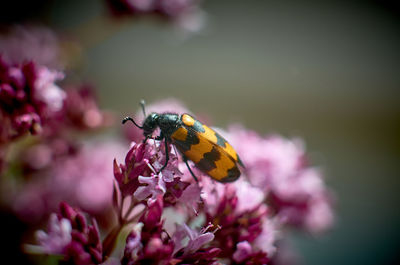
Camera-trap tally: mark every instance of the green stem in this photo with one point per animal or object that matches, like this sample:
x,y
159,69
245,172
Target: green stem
x,y
110,241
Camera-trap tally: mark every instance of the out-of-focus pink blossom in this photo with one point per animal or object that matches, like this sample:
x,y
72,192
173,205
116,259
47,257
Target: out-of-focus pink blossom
x,y
168,105
248,197
58,235
245,254
71,236
31,43
236,227
286,254
81,110
83,179
269,236
46,90
278,166
320,216
166,8
185,14
29,97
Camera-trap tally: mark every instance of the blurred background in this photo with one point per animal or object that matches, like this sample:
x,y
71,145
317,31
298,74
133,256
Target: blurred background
x,y
326,71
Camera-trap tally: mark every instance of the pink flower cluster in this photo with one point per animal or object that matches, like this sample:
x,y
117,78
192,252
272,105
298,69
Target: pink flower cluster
x,y
29,96
59,171
186,14
279,167
38,148
19,44
168,8
70,236
243,222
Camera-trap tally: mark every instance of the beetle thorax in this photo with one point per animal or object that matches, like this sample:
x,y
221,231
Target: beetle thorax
x,y
168,123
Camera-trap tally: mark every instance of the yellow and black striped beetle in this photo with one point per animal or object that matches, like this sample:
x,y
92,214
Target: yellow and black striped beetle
x,y
208,150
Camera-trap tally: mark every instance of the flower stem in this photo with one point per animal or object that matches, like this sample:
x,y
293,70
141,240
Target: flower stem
x,y
109,242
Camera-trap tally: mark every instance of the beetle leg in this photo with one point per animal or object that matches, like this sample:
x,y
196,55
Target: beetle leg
x,y
158,138
145,138
166,152
190,170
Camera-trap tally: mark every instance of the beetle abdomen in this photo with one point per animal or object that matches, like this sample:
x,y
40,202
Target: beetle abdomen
x,y
211,153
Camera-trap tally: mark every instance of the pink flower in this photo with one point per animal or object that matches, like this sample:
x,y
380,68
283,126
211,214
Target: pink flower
x,y
185,14
235,226
133,243
279,167
154,186
166,8
131,7
46,90
72,237
82,111
58,235
245,254
320,216
148,243
140,176
31,43
137,162
29,97
191,197
194,251
243,251
155,246
83,178
196,239
269,236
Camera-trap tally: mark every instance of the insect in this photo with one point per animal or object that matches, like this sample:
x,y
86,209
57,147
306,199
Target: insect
x,y
208,150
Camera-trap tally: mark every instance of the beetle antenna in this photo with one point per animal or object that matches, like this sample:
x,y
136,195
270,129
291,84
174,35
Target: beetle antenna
x,y
130,119
142,104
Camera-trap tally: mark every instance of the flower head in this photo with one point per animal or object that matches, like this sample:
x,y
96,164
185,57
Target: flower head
x,y
39,44
152,245
141,175
81,110
278,166
59,171
71,236
29,97
58,235
149,243
137,162
167,8
196,249
245,254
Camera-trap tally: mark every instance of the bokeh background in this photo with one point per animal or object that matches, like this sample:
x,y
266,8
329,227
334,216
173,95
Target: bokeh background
x,y
327,71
